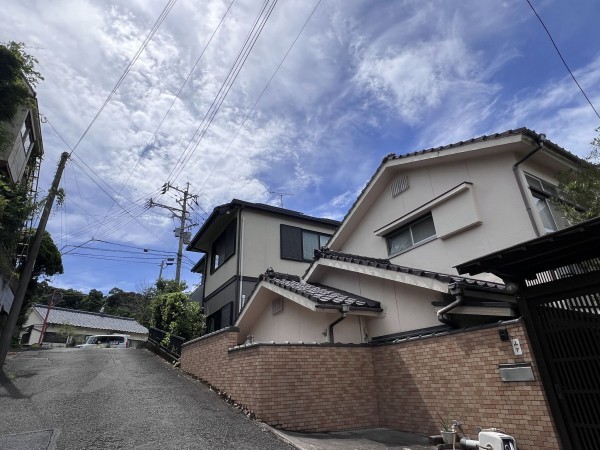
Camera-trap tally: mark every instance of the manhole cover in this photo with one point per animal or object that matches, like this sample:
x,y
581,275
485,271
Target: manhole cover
x,y
30,440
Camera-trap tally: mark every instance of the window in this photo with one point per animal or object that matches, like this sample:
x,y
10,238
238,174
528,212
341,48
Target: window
x,y
300,244
224,246
543,193
27,134
406,237
220,319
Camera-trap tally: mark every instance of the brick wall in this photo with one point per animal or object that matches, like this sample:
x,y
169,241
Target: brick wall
x,y
456,375
400,386
294,387
318,388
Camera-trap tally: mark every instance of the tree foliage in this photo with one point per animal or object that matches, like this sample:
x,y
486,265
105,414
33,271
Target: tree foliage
x,y
173,312
49,259
582,188
47,263
15,207
17,68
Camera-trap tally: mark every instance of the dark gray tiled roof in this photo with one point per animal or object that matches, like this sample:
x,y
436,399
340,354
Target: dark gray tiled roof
x,y
385,264
87,319
490,137
322,295
235,203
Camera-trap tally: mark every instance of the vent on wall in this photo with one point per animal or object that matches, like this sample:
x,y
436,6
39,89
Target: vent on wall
x,y
399,185
277,305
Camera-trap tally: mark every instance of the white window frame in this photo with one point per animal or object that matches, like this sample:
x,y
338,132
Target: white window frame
x,y
389,238
543,193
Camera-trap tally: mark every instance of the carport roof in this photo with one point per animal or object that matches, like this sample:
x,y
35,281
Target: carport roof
x,y
522,261
85,319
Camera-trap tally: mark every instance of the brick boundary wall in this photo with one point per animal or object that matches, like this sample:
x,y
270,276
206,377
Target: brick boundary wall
x,y
403,386
456,375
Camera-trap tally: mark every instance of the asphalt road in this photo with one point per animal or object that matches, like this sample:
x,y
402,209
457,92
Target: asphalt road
x,y
116,399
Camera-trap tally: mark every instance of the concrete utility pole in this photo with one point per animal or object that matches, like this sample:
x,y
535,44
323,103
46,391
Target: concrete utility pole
x,y
182,215
164,263
181,233
25,275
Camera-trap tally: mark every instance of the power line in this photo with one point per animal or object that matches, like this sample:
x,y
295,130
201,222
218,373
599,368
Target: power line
x,y
102,258
234,71
145,150
91,171
260,96
563,59
133,60
129,246
164,253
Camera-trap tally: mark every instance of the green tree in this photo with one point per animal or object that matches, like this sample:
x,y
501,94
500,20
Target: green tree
x,y
15,207
68,333
93,301
128,304
47,263
173,312
17,68
582,188
49,259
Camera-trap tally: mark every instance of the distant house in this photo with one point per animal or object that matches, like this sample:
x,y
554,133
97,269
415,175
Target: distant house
x,y
239,239
388,268
83,323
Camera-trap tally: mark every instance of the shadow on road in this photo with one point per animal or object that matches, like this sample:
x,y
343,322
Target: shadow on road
x,y
8,386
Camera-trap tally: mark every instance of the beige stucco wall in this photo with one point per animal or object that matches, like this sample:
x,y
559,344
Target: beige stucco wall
x,y
299,324
405,307
496,200
260,248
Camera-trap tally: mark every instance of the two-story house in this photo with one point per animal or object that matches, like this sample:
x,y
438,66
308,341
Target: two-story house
x,y
389,267
21,151
239,240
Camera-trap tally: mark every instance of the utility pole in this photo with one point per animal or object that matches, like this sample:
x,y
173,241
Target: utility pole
x,y
25,275
181,233
180,213
164,263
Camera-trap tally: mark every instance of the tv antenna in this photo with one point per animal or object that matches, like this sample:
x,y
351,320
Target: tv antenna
x,y
280,194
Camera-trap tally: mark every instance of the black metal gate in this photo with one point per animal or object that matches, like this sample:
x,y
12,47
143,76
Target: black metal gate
x,y
556,278
564,315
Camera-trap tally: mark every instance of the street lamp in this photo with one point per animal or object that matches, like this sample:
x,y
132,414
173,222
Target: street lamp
x,y
54,299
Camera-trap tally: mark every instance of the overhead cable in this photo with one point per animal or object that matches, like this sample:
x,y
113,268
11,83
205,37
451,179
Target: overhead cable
x,y
155,27
563,59
259,97
234,71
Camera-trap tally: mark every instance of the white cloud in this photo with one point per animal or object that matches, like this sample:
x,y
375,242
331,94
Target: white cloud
x,y
361,82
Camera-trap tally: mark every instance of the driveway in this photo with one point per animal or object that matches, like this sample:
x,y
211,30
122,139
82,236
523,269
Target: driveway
x,y
116,399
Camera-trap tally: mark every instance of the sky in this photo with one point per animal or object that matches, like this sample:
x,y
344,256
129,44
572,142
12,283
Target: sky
x,y
297,104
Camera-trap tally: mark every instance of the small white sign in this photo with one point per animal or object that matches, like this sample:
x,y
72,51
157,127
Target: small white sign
x,y
517,347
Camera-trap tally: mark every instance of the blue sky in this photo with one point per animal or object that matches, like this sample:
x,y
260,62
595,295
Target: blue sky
x,y
364,79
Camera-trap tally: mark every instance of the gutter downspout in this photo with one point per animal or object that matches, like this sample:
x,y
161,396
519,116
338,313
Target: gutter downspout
x,y
345,309
540,145
457,291
239,262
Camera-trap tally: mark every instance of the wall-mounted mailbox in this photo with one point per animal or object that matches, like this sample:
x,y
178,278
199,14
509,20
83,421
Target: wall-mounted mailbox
x,y
516,372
